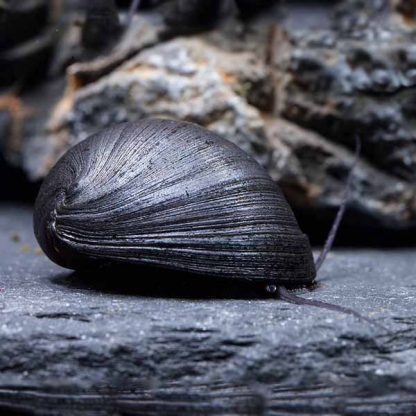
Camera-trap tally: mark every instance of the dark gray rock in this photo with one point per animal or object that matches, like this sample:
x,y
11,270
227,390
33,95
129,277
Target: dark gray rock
x,y
186,79
335,68
357,79
192,15
26,42
22,21
313,172
24,141
102,26
150,344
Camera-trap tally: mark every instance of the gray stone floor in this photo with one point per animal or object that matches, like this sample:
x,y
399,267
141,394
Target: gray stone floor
x,y
126,343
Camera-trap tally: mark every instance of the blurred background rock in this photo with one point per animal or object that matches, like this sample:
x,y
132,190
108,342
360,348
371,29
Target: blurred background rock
x,y
291,82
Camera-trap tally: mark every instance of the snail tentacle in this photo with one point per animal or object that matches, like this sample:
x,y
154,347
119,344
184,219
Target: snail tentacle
x,y
134,6
340,214
285,295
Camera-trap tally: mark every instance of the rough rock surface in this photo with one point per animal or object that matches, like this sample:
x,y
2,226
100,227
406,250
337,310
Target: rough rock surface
x,y
348,71
185,79
313,172
24,141
342,86
120,343
335,68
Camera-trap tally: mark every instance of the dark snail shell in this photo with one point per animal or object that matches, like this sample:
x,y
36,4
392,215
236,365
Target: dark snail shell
x,y
173,195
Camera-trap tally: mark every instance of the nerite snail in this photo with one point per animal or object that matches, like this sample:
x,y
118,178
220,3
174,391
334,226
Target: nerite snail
x,y
173,195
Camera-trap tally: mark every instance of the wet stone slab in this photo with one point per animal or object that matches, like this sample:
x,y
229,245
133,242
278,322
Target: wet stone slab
x,y
137,343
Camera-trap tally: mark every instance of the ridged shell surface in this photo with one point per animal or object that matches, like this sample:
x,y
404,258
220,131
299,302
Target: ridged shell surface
x,y
173,195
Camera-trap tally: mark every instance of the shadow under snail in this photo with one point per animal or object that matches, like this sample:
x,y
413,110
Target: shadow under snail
x,y
174,195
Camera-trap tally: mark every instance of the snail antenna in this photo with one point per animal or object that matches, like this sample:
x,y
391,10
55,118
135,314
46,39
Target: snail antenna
x,y
341,211
289,297
286,296
134,5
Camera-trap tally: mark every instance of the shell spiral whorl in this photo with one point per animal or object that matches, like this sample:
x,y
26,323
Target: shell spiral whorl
x,y
169,194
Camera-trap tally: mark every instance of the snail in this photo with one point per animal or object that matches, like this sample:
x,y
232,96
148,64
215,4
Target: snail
x,y
173,195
